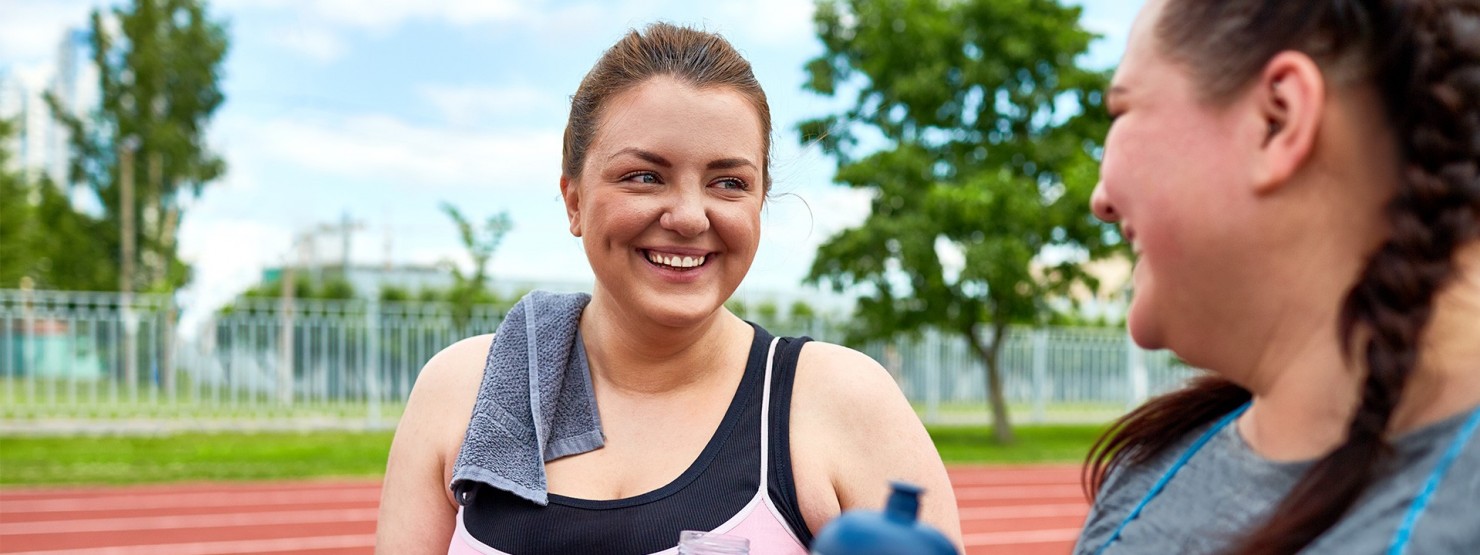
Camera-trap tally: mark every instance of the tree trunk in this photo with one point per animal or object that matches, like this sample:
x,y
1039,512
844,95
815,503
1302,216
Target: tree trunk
x,y
996,401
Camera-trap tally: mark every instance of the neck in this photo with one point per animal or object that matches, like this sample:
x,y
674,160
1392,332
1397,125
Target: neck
x,y
1306,393
1447,381
632,356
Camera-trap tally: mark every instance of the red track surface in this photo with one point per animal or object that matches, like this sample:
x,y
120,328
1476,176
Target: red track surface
x,y
1018,510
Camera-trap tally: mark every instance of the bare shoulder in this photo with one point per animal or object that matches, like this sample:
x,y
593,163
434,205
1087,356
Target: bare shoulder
x,y
417,512
449,373
441,402
853,431
847,383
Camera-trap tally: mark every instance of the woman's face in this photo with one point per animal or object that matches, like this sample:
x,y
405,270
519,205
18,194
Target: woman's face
x,y
1171,178
669,199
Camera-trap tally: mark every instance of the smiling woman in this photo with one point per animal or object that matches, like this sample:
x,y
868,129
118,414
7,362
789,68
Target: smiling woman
x,y
610,422
1300,182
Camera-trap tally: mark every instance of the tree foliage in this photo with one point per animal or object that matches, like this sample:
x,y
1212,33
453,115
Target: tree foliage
x,y
43,238
978,133
159,66
480,244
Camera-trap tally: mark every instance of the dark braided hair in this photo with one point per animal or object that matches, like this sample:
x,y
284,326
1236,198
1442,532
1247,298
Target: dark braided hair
x,y
1423,57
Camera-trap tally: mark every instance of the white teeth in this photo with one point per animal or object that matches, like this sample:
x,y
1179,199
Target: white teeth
x,y
676,261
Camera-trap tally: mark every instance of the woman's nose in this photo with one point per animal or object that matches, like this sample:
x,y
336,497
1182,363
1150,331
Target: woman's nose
x,y
1099,203
685,214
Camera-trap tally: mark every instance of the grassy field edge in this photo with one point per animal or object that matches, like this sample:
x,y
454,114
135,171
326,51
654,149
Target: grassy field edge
x,y
88,460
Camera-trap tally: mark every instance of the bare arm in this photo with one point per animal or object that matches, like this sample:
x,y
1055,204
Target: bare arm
x,y
417,512
854,420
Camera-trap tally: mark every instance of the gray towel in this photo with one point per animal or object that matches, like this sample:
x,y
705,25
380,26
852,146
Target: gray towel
x,y
536,403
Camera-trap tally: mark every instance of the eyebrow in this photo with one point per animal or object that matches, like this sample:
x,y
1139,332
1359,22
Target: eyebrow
x,y
1115,90
729,164
653,157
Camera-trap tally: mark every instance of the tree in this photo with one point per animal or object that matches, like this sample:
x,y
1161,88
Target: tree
x,y
983,136
43,238
470,289
158,81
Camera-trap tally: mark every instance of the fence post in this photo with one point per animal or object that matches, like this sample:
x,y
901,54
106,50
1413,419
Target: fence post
x,y
1040,375
1136,366
28,341
372,360
285,341
130,346
170,344
933,346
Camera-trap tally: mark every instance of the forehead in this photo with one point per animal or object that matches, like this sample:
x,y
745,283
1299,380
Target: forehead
x,y
665,112
1141,53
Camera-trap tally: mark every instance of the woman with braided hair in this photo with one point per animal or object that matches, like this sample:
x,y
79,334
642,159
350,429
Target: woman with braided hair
x,y
1300,182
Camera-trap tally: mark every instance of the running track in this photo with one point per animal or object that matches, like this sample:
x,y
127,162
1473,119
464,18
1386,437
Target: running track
x,y
1019,510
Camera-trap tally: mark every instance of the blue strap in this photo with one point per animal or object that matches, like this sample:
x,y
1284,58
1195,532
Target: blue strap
x,y
1181,462
1405,531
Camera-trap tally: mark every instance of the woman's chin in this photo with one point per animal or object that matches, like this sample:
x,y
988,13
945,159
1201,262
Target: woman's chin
x,y
1145,330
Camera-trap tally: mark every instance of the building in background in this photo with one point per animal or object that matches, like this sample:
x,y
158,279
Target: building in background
x,y
40,143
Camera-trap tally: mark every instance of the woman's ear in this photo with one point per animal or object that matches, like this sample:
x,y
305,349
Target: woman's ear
x,y
570,192
1290,98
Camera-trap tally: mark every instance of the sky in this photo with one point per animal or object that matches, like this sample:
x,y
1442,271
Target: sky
x,y
383,109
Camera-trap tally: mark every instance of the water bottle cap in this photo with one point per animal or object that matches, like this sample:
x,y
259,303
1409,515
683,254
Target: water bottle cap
x,y
904,502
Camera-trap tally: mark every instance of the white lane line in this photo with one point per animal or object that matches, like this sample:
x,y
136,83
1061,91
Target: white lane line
x,y
224,547
1026,536
1024,511
1018,492
178,522
194,500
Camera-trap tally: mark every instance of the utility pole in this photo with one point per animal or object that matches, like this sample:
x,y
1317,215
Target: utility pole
x,y
345,230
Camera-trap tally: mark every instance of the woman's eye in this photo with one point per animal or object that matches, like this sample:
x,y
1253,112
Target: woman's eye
x,y
732,184
641,177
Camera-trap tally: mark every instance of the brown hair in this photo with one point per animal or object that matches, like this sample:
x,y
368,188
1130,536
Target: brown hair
x,y
696,58
1423,57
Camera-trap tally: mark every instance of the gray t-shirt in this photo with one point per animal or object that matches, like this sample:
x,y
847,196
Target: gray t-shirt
x,y
1226,489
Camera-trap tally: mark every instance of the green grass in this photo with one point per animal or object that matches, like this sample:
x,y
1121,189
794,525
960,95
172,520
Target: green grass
x,y
191,457
1052,443
279,456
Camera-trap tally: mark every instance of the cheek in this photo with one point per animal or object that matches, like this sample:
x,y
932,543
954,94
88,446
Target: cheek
x,y
738,226
619,216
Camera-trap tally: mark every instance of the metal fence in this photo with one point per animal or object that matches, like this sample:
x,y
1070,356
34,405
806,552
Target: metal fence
x,y
112,362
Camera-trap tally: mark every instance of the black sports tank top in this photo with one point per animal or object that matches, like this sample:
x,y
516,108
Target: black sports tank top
x,y
720,484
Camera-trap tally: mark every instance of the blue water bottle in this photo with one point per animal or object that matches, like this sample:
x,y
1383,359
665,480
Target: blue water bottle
x,y
896,531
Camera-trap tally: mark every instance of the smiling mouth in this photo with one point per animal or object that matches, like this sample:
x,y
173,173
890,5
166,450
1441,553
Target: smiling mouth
x,y
675,261
1130,237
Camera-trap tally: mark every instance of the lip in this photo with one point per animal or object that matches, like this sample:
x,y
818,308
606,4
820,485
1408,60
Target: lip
x,y
679,251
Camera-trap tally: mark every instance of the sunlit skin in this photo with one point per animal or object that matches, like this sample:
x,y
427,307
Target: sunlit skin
x,y
1251,217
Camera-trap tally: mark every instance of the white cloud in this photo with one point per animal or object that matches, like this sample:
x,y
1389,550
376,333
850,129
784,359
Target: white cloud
x,y
383,15
318,43
470,105
384,148
771,21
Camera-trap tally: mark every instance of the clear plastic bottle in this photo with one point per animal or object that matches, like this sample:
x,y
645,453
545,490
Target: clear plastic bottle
x,y
692,542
